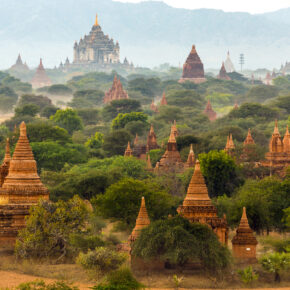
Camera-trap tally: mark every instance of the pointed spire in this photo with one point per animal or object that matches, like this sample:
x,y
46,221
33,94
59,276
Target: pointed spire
x,y
244,220
249,139
151,129
7,156
148,163
231,142
128,151
163,100
172,135
96,20
286,141
174,129
142,221
276,130
190,158
136,140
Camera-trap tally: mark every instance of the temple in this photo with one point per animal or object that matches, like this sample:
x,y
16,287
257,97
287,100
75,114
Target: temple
x,y
278,157
197,206
4,168
248,145
96,49
268,79
209,112
116,92
40,78
19,65
244,242
171,160
163,100
230,146
151,140
21,189
223,73
193,70
153,107
229,64
190,159
174,129
128,151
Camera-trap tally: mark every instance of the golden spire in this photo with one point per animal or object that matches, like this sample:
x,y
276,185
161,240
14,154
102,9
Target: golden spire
x,y
231,142
7,156
128,151
276,130
96,21
172,136
190,158
249,139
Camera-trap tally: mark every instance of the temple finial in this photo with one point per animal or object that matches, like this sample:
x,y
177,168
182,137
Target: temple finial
x,y
96,20
7,156
276,130
23,129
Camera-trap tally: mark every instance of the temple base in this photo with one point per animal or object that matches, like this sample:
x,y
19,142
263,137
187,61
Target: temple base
x,y
193,80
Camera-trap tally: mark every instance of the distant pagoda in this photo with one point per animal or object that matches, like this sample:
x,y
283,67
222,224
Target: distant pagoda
x,y
128,151
190,159
21,189
197,206
229,66
244,242
193,68
223,73
153,107
40,78
230,146
163,100
116,92
19,65
151,140
209,112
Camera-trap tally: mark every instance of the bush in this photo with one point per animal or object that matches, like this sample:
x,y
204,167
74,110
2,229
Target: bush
x,y
85,242
41,285
121,279
247,275
101,259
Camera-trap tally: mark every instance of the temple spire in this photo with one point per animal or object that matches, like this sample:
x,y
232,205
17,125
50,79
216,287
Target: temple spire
x,y
249,139
148,163
7,156
172,135
128,151
190,158
136,140
276,130
163,100
96,20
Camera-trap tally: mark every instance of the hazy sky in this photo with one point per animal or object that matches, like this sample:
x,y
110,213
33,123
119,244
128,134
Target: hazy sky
x,y
251,6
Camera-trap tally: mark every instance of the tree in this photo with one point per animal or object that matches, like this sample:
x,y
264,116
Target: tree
x,y
87,99
147,87
48,227
38,100
48,111
8,99
116,142
177,241
123,119
95,142
275,263
59,89
261,93
89,116
126,195
185,98
27,110
67,119
185,141
248,275
220,172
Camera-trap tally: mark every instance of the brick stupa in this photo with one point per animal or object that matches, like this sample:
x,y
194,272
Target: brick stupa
x,y
223,73
4,168
163,100
153,107
197,206
209,112
151,140
174,129
21,189
19,65
190,159
128,151
230,146
171,160
278,157
40,78
244,242
193,69
116,92
142,222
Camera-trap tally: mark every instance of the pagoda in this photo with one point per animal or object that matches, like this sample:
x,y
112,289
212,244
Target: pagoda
x,y
230,146
40,78
149,164
197,206
4,168
249,139
171,160
128,151
193,68
142,222
190,159
209,112
244,242
223,73
21,189
278,157
229,66
153,107
174,129
248,146
151,140
268,79
163,100
116,92
19,65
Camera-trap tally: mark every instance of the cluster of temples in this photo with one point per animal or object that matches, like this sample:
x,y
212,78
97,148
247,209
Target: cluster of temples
x,y
116,92
198,208
20,188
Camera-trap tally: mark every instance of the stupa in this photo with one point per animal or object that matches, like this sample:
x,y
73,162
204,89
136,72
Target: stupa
x,y
21,189
163,100
4,168
171,160
116,92
193,68
40,78
197,206
223,73
248,146
174,129
209,112
230,146
249,139
153,107
229,64
149,164
128,151
142,222
151,140
19,65
244,242
190,159
278,157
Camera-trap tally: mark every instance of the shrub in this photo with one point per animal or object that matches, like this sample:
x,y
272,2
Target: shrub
x,y
41,285
85,242
103,259
247,275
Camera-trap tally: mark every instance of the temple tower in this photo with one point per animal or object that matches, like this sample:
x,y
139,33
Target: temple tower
x,y
229,64
4,168
174,129
244,242
128,151
190,159
171,160
153,107
209,112
223,73
193,69
116,92
163,100
230,146
151,140
40,78
149,164
197,206
286,141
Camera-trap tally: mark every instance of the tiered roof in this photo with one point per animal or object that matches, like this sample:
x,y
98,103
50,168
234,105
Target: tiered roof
x,y
116,92
190,159
128,151
209,112
286,141
4,168
223,73
276,144
163,100
40,78
249,139
230,146
151,140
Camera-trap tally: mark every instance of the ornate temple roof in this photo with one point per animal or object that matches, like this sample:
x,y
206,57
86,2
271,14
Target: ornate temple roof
x,y
249,139
230,143
128,151
209,112
116,92
142,221
223,73
40,78
163,100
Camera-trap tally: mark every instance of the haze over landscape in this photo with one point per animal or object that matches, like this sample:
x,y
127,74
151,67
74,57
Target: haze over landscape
x,y
149,33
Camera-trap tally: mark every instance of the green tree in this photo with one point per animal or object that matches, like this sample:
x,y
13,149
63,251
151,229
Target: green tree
x,y
185,98
48,227
59,89
8,99
89,116
220,172
178,241
123,119
87,99
248,275
96,141
275,263
68,119
27,110
38,100
126,196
